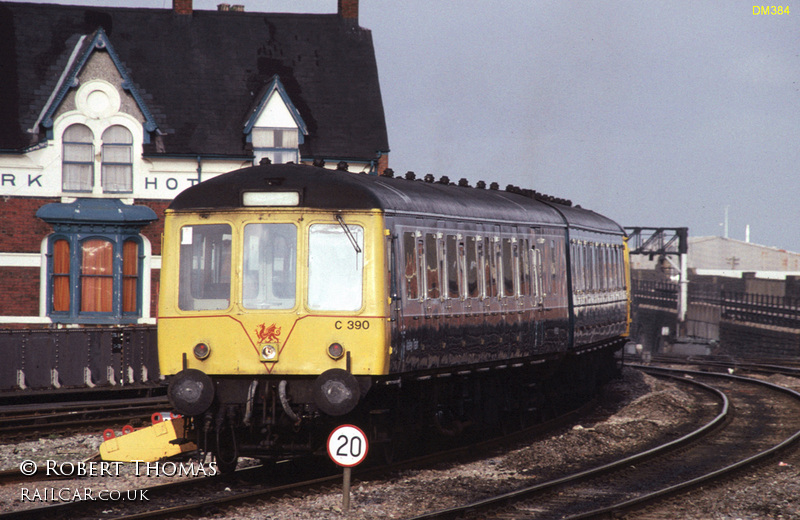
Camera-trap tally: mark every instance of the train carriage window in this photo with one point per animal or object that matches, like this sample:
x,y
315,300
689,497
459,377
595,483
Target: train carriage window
x,y
584,267
335,267
473,286
269,266
550,278
431,267
601,267
490,270
573,271
205,267
536,271
508,261
524,268
410,270
453,261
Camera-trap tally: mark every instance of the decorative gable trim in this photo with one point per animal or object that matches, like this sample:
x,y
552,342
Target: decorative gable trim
x,y
69,79
275,85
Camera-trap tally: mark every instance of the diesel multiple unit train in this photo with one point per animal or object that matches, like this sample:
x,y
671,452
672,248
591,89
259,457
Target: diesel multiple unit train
x,y
295,298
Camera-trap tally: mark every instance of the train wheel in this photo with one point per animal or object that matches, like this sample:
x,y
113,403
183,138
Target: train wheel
x,y
387,436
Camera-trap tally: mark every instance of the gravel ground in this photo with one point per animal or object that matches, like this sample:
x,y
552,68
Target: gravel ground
x,y
638,409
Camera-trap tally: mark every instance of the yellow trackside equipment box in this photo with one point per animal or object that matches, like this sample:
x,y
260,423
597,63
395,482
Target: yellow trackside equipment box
x,y
146,444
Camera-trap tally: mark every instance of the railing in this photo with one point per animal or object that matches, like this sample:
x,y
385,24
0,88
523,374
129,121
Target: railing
x,y
742,307
763,309
78,358
659,294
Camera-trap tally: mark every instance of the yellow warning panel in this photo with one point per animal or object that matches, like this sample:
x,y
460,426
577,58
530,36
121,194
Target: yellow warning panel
x,y
146,444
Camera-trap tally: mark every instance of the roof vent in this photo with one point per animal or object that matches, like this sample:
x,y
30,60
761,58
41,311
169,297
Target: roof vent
x,y
429,177
444,180
494,186
480,185
388,172
343,166
411,175
464,183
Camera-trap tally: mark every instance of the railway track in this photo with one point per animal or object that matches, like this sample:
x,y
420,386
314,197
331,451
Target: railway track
x,y
758,420
567,496
18,420
787,368
199,495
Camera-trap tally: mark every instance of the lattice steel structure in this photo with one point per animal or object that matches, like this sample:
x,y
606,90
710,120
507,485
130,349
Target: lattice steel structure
x,y
664,242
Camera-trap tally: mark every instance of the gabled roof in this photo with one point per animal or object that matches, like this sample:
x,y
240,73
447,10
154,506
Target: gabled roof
x,y
69,79
199,76
276,87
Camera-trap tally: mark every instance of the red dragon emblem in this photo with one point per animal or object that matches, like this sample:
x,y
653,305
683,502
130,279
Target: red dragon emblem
x,y
268,334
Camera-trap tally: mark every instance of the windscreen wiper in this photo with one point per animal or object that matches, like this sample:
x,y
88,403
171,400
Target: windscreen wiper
x,y
348,233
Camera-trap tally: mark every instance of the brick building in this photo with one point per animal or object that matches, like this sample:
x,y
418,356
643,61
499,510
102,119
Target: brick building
x,y
107,113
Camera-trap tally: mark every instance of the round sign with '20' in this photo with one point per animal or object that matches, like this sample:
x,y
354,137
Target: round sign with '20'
x,y
347,445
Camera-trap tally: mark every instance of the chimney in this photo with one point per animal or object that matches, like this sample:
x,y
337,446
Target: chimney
x,y
348,10
182,6
224,7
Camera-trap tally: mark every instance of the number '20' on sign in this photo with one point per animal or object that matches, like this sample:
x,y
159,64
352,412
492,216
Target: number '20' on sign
x,y
347,446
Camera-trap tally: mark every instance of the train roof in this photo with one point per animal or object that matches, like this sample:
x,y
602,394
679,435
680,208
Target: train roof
x,y
321,188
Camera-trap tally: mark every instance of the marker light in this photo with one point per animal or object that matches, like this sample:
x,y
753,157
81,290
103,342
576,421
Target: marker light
x,y
335,350
269,352
201,351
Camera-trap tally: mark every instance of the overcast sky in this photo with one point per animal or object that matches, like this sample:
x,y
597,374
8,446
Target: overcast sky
x,y
653,113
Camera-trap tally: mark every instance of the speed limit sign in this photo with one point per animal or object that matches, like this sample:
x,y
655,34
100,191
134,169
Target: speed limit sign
x,y
347,446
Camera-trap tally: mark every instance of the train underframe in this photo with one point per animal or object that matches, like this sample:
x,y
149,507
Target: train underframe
x,y
279,418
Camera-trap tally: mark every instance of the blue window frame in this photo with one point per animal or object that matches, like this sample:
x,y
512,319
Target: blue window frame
x,y
103,282
95,261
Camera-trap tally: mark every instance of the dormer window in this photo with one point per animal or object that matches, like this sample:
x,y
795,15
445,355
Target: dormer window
x,y
277,144
275,128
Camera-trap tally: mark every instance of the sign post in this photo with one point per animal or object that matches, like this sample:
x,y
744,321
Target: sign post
x,y
347,447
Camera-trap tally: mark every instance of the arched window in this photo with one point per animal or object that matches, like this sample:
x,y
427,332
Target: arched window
x,y
77,170
117,167
97,276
